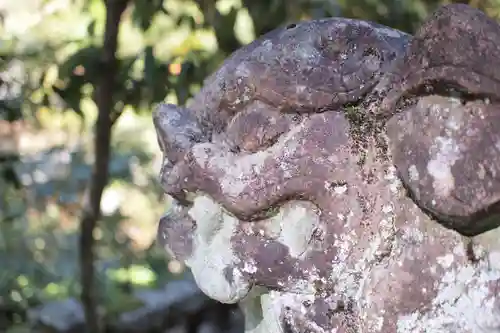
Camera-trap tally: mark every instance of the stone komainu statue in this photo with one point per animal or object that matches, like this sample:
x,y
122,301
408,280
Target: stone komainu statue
x,y
340,176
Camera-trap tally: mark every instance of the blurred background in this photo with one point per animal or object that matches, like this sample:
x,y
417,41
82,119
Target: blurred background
x,y
79,196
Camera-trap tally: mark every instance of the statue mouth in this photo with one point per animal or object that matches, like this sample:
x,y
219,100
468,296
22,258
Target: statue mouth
x,y
226,255
200,236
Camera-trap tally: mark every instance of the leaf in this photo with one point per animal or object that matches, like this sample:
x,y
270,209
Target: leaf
x,y
144,12
125,65
86,59
91,28
133,95
187,20
224,30
42,77
72,96
45,100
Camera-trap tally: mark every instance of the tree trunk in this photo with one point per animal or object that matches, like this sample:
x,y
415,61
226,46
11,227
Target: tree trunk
x,y
100,174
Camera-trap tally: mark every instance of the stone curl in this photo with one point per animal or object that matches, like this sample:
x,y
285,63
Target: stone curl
x,y
338,175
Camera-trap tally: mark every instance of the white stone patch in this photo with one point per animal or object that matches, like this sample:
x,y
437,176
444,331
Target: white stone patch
x,y
213,252
289,169
390,32
260,316
267,44
206,210
459,250
463,304
494,260
481,171
394,182
275,302
250,266
453,124
240,170
300,88
387,209
446,260
340,189
413,234
298,222
237,169
308,52
440,166
413,173
241,71
344,243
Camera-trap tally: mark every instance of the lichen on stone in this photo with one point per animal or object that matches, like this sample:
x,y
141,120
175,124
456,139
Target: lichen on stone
x,y
337,175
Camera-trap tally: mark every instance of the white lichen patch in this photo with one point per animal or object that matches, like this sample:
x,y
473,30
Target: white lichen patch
x,y
263,311
446,260
394,182
213,253
241,170
465,302
260,316
238,170
340,189
249,266
390,32
269,320
344,243
297,221
306,51
446,154
276,302
413,173
494,260
487,244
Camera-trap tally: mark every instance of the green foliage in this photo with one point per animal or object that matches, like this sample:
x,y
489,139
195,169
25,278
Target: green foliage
x,y
145,11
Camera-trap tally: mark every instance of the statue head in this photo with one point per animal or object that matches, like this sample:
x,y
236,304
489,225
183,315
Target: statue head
x,y
335,175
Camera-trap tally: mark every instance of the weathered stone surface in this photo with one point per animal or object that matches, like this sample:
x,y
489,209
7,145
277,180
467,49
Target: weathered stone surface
x,y
455,49
319,207
453,171
306,66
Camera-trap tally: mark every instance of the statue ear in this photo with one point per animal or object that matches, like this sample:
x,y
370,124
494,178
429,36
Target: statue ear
x,y
447,154
457,48
446,149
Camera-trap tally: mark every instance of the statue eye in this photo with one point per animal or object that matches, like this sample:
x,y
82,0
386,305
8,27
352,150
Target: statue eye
x,y
257,128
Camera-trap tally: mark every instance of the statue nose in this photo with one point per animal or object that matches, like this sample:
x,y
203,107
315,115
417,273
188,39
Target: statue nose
x,y
177,130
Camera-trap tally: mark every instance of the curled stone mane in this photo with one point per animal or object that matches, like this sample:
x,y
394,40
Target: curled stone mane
x,y
338,175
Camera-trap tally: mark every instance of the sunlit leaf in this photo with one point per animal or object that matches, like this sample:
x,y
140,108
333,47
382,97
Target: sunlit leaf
x,y
145,10
91,28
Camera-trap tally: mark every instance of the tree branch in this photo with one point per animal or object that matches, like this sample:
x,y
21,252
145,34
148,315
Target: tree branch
x,y
100,174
